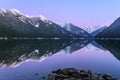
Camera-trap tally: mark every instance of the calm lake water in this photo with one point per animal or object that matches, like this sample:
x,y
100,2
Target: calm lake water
x,y
23,59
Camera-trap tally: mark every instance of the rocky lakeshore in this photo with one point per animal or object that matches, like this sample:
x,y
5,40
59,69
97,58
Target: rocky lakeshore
x,y
73,74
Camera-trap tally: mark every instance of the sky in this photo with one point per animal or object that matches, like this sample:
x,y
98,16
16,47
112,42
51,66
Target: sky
x,y
79,12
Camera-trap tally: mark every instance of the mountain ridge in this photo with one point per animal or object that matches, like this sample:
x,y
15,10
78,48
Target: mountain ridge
x,y
14,24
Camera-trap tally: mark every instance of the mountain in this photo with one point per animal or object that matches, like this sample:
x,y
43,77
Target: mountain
x,y
14,24
113,31
76,30
97,31
49,27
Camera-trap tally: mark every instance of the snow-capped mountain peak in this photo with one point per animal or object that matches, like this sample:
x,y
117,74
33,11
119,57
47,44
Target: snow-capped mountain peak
x,y
13,11
28,16
19,14
42,18
3,10
37,18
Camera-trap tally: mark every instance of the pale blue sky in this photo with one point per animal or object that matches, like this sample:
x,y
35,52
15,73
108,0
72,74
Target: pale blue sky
x,y
78,12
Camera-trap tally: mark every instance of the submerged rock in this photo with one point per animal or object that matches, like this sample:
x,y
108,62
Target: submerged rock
x,y
73,74
107,77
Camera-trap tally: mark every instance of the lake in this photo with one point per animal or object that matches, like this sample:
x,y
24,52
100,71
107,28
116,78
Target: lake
x,y
33,59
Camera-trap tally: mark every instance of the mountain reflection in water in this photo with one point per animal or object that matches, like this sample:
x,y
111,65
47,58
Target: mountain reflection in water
x,y
15,51
100,56
111,45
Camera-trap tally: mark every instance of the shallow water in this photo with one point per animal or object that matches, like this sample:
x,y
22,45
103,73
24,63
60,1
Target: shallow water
x,y
30,60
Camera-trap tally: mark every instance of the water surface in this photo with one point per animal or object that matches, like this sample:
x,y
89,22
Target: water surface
x,y
30,60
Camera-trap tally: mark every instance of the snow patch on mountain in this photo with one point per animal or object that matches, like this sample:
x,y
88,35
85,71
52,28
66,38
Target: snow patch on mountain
x,y
60,24
66,25
22,19
34,20
42,18
50,22
28,16
15,12
37,25
92,29
63,24
3,10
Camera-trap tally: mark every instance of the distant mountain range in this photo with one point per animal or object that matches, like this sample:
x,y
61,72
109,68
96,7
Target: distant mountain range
x,y
75,30
13,24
